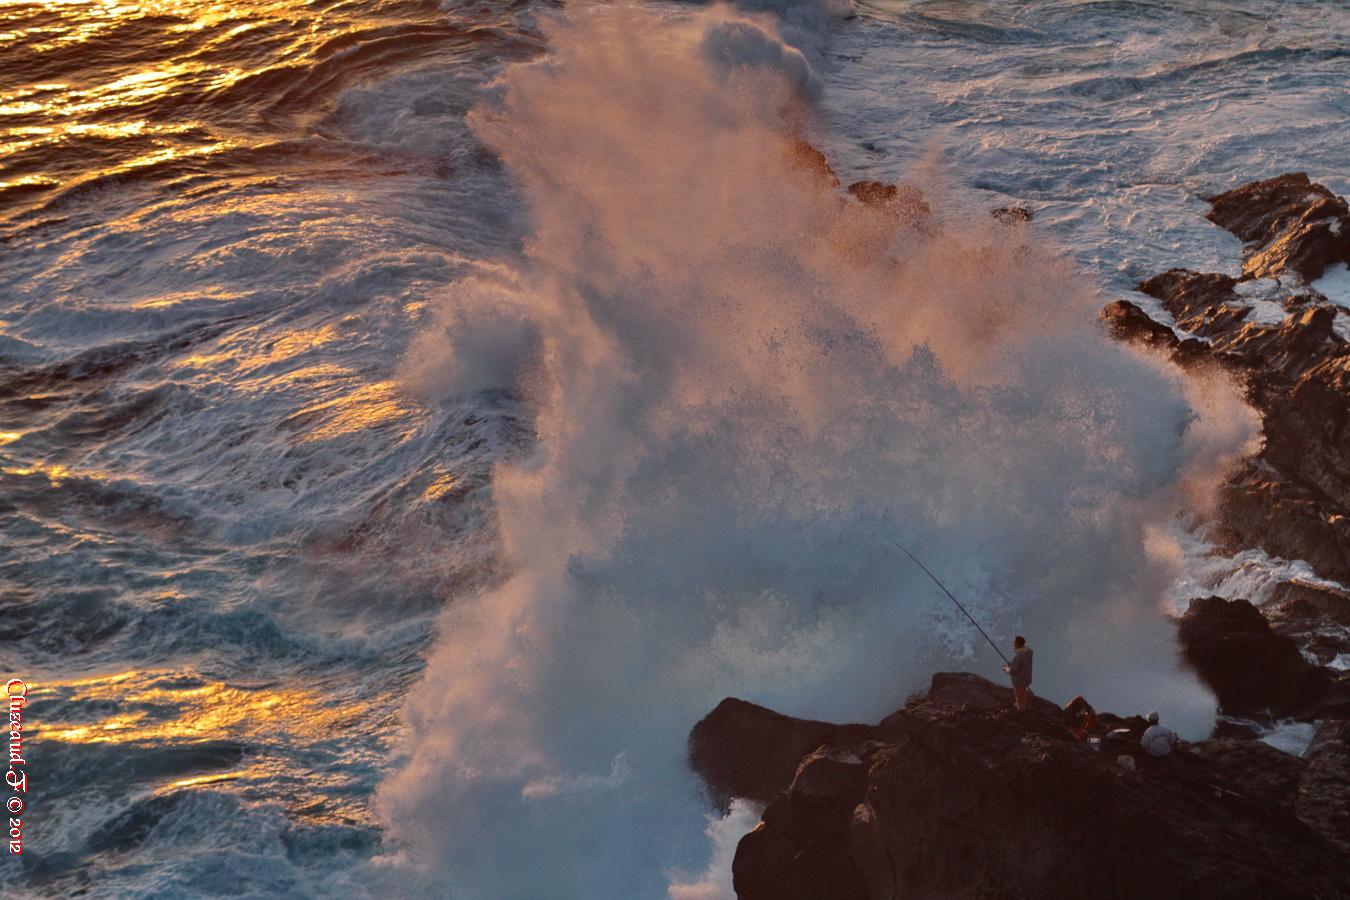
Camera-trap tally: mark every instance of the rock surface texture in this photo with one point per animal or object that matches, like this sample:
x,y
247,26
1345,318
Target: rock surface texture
x,y
958,795
1254,670
1287,343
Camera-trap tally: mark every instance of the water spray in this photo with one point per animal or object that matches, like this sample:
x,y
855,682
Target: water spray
x,y
949,595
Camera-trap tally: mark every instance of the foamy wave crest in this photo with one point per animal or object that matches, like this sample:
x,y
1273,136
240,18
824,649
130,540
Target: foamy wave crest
x,y
740,378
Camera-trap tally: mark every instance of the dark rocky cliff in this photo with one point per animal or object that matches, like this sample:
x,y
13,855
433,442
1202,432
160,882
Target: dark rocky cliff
x,y
958,795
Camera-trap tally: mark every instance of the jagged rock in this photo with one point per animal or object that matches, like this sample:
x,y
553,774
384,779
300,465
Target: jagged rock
x,y
873,193
1308,427
744,750
802,155
1288,224
1191,297
1250,668
1012,215
902,203
1314,616
1293,500
1207,305
1330,602
1127,322
802,842
1264,508
1280,354
1324,790
957,795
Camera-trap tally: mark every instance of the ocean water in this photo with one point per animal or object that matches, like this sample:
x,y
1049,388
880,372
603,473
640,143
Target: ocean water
x,y
325,585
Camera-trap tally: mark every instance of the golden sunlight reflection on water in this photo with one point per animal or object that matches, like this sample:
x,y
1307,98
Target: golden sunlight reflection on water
x,y
165,706
154,79
163,710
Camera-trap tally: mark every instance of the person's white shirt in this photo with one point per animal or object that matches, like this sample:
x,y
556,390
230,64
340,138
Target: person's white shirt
x,y
1158,740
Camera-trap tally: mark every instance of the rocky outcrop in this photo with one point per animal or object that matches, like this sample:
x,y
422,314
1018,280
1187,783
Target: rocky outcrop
x,y
1293,499
958,795
1253,670
1250,668
1126,321
1011,215
800,154
1263,507
1315,616
744,750
903,204
1324,789
896,205
1288,224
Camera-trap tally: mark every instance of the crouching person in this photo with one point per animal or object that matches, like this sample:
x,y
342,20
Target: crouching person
x,y
1158,739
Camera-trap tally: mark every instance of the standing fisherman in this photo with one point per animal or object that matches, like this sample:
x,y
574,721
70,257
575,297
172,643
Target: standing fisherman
x,y
1019,669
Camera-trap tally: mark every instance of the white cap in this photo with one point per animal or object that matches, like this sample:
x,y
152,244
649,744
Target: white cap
x,y
1152,718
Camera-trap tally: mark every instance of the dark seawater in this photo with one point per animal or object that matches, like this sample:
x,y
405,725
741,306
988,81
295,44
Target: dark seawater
x,y
224,530
227,521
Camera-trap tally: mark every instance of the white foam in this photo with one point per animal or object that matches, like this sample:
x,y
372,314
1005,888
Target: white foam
x,y
1335,285
1250,574
1289,736
1259,288
1264,297
1266,312
1341,324
724,833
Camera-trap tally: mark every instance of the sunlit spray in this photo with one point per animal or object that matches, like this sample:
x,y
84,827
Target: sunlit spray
x,y
733,370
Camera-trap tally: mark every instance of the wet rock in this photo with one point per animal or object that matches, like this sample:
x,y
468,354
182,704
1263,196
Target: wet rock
x,y
1288,224
1127,322
873,193
744,750
1229,730
1250,668
903,202
957,795
1314,616
1253,670
802,843
1324,789
1327,601
1273,355
1293,499
1307,424
1265,508
1191,297
802,155
1012,215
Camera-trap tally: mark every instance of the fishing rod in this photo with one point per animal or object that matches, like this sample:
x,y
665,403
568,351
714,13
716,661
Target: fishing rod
x,y
949,594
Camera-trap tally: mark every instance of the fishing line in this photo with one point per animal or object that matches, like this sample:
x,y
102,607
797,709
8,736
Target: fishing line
x,y
952,596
